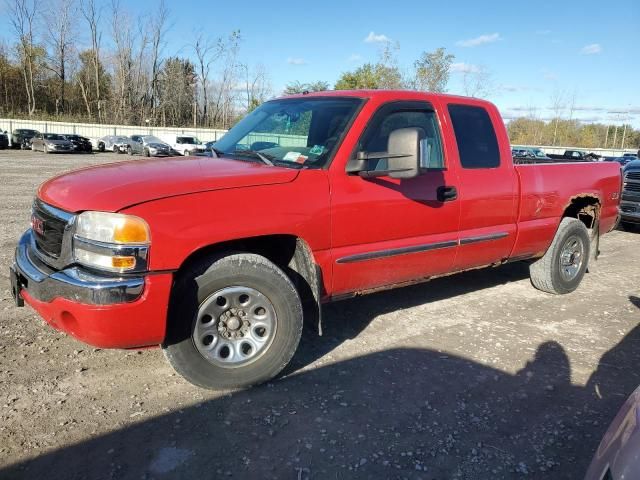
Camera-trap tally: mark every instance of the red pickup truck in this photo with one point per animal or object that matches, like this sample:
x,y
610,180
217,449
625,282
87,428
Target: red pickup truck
x,y
309,199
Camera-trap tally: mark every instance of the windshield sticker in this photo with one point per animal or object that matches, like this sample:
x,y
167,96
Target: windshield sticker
x,y
301,159
317,150
292,156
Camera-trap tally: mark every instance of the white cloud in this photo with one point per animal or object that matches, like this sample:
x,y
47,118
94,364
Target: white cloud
x,y
296,61
461,67
592,49
376,38
481,40
354,58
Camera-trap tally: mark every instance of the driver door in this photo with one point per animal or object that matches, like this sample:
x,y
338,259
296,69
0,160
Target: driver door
x,y
388,231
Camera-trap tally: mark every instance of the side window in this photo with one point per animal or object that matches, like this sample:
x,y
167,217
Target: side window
x,y
391,118
475,136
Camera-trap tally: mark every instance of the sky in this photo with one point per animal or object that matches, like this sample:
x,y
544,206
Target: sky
x,y
537,54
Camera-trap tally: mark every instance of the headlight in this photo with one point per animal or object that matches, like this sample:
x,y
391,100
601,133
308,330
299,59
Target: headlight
x,y
111,241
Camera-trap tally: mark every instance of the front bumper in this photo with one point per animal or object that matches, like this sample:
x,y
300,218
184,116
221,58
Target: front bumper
x,y
105,311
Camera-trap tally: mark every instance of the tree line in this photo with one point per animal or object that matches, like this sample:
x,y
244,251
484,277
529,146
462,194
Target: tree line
x,y
89,60
92,60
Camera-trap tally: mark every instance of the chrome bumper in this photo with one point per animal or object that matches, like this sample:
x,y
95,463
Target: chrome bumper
x,y
77,284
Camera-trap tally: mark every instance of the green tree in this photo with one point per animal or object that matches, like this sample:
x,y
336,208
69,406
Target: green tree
x,y
297,87
432,71
370,76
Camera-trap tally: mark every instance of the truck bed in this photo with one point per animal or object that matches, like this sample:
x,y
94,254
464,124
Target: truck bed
x,y
546,191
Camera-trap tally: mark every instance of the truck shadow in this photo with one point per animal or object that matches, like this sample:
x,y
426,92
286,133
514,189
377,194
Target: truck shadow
x,y
399,413
346,319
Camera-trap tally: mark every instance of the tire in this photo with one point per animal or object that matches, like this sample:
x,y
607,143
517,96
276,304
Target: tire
x,y
129,150
562,268
146,153
45,149
271,300
101,147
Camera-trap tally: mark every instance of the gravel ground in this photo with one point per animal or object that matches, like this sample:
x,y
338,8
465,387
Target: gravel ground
x,y
473,376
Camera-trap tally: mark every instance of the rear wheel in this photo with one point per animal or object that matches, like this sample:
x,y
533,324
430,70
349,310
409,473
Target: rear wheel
x,y
101,147
234,321
562,268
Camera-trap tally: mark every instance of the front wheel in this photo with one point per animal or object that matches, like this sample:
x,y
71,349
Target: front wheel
x,y
146,152
562,268
234,321
129,150
101,147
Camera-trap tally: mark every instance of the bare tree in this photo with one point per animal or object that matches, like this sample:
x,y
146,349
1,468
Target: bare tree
x,y
226,84
22,14
91,13
59,38
257,86
477,82
158,28
207,53
557,107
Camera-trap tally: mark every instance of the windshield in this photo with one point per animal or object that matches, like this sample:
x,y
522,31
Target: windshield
x,y
26,131
53,136
120,139
152,139
292,132
188,140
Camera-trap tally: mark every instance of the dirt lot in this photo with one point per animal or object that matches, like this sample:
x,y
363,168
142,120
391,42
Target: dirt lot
x,y
474,376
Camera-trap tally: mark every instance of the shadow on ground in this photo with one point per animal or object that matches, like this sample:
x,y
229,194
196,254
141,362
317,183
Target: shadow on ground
x,y
400,413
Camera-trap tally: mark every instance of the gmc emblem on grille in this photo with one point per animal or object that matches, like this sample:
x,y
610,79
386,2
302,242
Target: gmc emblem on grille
x,y
37,225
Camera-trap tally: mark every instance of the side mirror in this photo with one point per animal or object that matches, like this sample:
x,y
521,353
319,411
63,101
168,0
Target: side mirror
x,y
404,153
403,156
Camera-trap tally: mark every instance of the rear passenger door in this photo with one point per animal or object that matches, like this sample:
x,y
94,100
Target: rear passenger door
x,y
488,187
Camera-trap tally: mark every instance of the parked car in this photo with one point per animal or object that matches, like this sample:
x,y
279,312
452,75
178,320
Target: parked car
x,y
214,258
20,135
4,140
630,203
51,142
534,152
149,146
625,159
80,144
113,143
184,144
617,455
576,156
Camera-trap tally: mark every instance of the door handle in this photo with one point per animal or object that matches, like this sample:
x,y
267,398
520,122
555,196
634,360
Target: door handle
x,y
447,193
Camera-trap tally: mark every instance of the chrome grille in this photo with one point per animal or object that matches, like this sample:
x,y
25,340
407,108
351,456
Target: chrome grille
x,y
49,235
632,175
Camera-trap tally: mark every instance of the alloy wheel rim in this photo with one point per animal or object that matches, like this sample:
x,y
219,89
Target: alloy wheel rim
x,y
234,326
571,258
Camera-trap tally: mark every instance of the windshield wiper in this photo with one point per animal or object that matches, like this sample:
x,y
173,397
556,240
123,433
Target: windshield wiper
x,y
254,154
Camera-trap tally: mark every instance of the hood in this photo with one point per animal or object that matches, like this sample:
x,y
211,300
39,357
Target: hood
x,y
57,142
115,186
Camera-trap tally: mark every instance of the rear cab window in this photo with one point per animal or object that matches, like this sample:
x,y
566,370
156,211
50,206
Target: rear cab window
x,y
475,137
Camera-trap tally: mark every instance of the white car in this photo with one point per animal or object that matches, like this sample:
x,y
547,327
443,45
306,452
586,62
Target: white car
x,y
184,144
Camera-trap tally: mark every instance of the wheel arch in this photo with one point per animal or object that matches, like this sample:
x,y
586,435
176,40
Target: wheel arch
x,y
586,208
289,252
